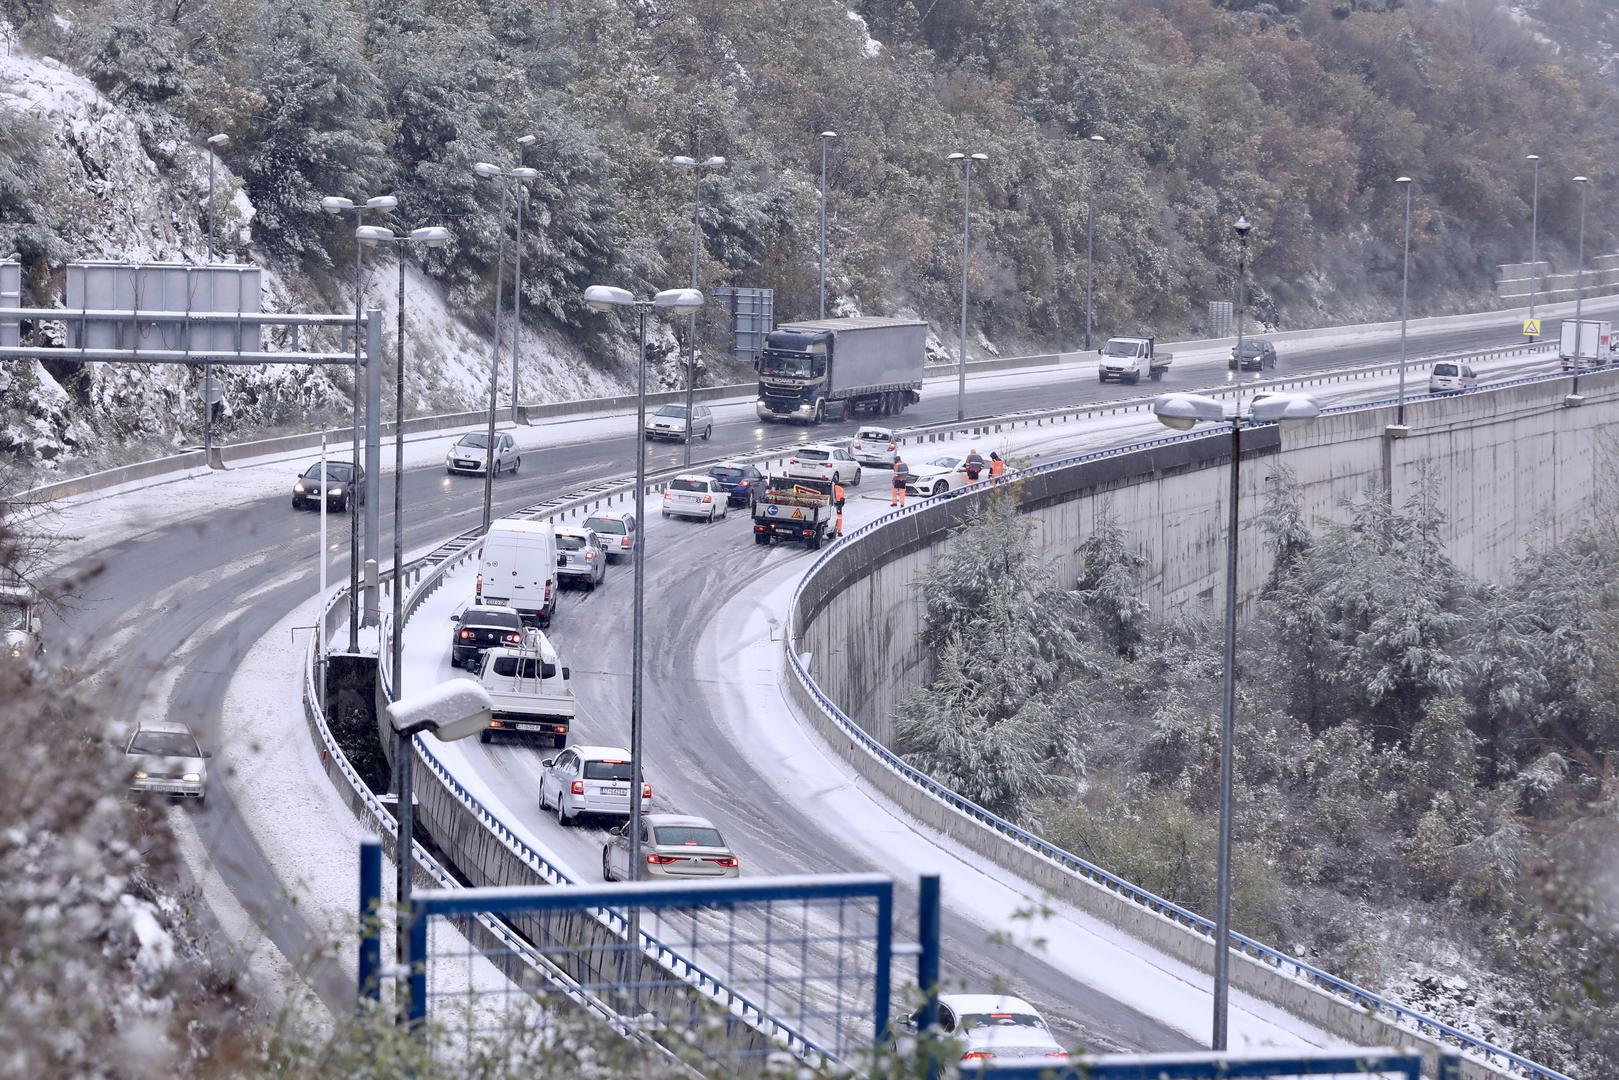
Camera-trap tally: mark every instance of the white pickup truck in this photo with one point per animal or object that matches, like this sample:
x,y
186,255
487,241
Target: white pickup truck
x,y
1127,359
529,689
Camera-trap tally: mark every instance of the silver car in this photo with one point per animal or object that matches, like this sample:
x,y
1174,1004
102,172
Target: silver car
x,y
581,556
589,780
669,422
617,531
164,759
672,846
875,446
471,452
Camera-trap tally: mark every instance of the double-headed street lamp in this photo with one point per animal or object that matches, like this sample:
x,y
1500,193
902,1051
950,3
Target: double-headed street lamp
x,y
826,137
1184,412
334,204
669,302
1405,296
215,143
433,236
1579,297
966,161
1095,141
1534,237
520,174
1241,228
696,168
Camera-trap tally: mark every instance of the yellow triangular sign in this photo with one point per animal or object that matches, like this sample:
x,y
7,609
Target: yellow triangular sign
x,y
1531,328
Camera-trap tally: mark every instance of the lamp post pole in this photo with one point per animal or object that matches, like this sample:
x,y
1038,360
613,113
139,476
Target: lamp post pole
x,y
966,225
696,168
214,142
1579,294
826,137
1090,237
432,236
1405,296
517,294
1534,238
1242,228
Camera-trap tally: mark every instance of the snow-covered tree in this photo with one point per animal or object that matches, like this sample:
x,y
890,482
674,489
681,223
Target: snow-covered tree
x,y
1110,582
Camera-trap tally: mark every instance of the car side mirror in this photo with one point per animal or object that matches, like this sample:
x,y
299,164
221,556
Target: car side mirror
x,y
616,830
456,617
36,624
549,762
567,673
207,753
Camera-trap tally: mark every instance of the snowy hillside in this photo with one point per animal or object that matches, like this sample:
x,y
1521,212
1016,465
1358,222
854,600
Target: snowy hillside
x,y
123,186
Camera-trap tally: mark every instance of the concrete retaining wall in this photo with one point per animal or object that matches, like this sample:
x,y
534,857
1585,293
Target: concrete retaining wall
x,y
1517,470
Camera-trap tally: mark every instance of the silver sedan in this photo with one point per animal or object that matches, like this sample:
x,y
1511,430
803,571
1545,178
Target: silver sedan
x,y
672,846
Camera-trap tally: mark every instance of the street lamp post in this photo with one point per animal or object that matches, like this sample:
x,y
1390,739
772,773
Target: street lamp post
x,y
1579,295
1184,412
826,137
1534,238
334,204
523,144
1405,296
488,171
966,161
671,302
696,168
214,143
1242,227
432,236
1090,235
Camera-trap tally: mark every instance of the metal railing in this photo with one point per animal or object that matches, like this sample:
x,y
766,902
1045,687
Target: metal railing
x,y
1341,988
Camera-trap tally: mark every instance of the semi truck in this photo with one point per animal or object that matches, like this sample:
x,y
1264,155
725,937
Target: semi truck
x,y
1127,359
837,367
1586,343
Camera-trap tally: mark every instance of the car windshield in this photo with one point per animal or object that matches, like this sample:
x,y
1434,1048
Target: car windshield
x,y
1445,369
476,442
689,485
606,525
506,620
1121,348
813,455
689,836
570,543
676,411
526,667
725,474
607,770
788,365
13,617
164,744
340,473
875,434
1002,1019
946,462
1252,348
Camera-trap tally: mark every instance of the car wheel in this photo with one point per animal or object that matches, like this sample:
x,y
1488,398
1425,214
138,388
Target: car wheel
x,y
1101,377
666,513
940,488
708,432
858,473
820,411
544,805
563,819
761,538
607,867
483,737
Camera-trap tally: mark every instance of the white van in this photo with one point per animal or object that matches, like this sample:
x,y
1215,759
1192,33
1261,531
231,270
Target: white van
x,y
519,568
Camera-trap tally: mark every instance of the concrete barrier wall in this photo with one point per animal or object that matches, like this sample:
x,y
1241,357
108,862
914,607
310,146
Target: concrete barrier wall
x,y
1516,469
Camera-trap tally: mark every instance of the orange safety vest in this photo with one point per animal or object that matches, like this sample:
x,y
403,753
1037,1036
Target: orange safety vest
x,y
997,467
837,495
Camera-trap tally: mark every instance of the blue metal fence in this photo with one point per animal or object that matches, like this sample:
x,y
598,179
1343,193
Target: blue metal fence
x,y
816,952
1275,1065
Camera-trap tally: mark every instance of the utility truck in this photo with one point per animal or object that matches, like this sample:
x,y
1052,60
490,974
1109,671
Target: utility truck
x,y
794,508
20,622
1586,343
837,367
1127,359
528,686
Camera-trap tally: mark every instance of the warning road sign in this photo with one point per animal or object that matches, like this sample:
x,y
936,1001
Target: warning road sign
x,y
1531,328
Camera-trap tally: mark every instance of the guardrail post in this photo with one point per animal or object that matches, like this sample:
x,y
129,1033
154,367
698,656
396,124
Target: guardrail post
x,y
1450,1066
370,920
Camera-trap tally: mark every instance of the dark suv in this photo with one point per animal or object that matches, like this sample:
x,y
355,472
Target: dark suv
x,y
741,482
1257,355
343,481
481,628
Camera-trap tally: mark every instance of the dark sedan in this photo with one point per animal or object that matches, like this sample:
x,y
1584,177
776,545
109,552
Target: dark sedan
x,y
1256,354
343,482
479,629
739,481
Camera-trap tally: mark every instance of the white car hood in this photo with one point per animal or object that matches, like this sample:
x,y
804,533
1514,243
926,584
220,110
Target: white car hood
x,y
930,470
155,765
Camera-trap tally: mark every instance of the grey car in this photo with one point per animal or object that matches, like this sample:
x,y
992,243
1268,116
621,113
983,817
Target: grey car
x,y
672,846
1256,354
344,481
581,556
471,452
164,759
669,422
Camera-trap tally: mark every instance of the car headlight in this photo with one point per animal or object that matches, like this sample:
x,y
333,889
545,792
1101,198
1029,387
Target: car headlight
x,y
298,487
192,778
335,492
140,774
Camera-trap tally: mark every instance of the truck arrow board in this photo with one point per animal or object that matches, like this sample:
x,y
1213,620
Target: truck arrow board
x,y
772,509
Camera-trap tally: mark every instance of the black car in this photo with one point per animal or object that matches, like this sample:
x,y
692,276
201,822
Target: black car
x,y
343,479
480,628
1257,355
739,481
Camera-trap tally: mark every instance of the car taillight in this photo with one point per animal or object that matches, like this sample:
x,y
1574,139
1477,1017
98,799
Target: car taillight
x,y
708,498
662,860
479,585
465,635
646,791
515,639
857,444
891,447
496,723
590,556
792,461
577,787
548,588
1057,1054
667,494
560,729
977,1055
727,861
624,542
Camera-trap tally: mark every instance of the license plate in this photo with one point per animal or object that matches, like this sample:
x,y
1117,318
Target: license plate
x,y
466,464
621,790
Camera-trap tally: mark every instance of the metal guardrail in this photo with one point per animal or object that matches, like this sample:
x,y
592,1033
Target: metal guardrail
x,y
1358,996
455,551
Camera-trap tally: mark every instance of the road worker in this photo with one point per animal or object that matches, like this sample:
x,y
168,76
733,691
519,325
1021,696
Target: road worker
x,y
837,500
997,467
973,466
900,470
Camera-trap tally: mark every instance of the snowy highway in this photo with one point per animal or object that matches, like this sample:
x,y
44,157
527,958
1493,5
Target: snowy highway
x,y
205,565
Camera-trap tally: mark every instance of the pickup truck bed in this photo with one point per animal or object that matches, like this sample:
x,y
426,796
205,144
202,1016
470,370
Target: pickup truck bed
x,y
794,510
